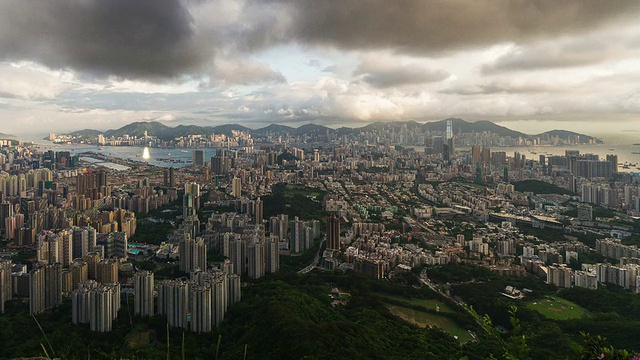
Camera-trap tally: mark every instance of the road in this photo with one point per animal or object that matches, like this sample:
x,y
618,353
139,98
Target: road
x,y
315,261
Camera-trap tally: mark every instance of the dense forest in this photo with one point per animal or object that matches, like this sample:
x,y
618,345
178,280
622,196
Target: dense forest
x,y
293,316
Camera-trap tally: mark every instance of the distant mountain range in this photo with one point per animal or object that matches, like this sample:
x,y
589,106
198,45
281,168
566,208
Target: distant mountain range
x,y
165,132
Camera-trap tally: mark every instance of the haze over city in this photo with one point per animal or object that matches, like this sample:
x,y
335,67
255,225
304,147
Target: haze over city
x,y
529,65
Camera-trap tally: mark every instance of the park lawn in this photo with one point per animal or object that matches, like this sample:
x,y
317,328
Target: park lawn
x,y
426,319
558,309
428,304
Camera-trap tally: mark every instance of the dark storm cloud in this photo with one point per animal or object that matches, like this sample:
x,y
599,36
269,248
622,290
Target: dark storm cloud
x,y
131,39
160,39
386,75
431,26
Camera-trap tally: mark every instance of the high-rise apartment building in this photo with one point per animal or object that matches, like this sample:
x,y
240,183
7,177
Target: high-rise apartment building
x,y
279,226
198,157
193,254
36,291
333,233
96,304
169,178
92,259
45,288
220,163
173,301
79,272
143,304
107,271
255,260
6,292
272,254
53,285
236,187
67,282
200,301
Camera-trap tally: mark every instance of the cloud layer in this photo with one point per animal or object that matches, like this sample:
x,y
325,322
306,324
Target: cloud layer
x,y
153,39
260,61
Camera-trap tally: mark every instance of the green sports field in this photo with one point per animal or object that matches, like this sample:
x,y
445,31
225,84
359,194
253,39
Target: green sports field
x,y
556,308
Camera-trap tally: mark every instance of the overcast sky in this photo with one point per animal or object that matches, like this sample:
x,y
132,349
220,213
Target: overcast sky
x,y
530,65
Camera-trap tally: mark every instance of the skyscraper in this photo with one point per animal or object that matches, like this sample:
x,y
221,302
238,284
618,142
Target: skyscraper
x,y
96,304
255,260
6,292
220,163
80,242
107,271
169,178
92,259
236,187
198,157
193,254
450,138
79,272
36,291
272,254
333,233
52,285
476,154
296,236
143,293
200,301
259,211
173,301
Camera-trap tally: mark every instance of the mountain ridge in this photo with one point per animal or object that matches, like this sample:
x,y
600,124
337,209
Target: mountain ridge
x,y
7,136
164,132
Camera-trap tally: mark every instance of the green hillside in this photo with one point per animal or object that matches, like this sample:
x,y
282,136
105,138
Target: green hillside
x,y
540,187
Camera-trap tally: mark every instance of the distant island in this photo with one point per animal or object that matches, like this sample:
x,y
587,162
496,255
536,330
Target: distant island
x,y
464,131
7,136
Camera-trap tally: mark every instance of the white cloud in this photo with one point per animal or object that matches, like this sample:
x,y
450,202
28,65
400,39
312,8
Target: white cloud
x,y
28,80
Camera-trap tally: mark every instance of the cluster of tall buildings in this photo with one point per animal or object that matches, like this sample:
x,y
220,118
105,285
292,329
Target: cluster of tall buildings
x,y
599,194
615,249
625,275
296,235
45,287
250,251
47,283
96,304
92,185
199,304
65,245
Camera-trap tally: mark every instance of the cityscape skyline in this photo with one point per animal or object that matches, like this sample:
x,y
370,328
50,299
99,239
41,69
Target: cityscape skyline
x,y
306,179
530,66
